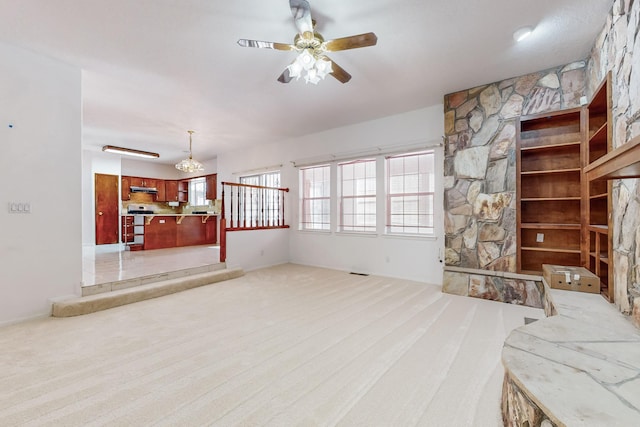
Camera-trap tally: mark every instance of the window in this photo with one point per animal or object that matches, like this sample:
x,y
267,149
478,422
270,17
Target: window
x,y
198,191
315,193
357,190
260,207
410,188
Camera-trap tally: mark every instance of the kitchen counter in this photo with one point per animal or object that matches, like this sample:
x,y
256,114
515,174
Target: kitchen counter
x,y
176,230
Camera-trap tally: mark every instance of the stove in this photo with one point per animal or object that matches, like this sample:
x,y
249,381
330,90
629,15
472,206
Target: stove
x,y
139,210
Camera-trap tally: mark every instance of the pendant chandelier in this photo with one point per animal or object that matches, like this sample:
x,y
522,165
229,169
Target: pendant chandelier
x,y
190,165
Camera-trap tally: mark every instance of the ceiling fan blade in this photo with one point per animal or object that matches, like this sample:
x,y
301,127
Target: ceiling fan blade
x,y
285,77
352,42
265,45
338,72
301,12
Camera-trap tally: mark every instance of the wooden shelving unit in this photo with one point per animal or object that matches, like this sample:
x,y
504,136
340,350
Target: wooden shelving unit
x,y
597,224
548,194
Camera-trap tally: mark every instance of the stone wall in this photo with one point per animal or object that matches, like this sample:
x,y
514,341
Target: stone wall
x,y
480,173
615,50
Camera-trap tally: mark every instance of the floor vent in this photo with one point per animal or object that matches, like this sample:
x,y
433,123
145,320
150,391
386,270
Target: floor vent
x,y
359,274
528,320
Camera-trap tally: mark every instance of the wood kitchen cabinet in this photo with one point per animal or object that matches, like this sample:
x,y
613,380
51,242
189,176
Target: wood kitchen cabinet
x,y
137,181
183,190
212,189
161,195
211,231
176,231
171,191
125,188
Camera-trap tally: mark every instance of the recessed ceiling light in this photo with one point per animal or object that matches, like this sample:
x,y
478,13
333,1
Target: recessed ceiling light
x,y
522,33
130,152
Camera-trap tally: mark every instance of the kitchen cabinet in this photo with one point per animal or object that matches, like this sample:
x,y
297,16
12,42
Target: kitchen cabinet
x,y
211,231
168,231
125,188
161,195
135,181
212,186
142,182
171,191
160,233
183,190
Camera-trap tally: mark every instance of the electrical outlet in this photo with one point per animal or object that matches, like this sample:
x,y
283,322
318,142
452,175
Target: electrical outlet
x,y
540,237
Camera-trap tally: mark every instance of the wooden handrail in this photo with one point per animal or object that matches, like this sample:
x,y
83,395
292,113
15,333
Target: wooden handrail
x,y
235,184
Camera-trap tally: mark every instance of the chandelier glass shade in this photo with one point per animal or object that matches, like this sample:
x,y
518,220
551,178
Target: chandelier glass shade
x,y
190,165
313,67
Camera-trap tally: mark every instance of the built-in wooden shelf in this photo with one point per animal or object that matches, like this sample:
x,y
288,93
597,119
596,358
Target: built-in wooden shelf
x,y
549,199
598,228
559,250
551,147
602,257
598,196
547,226
600,134
623,162
552,171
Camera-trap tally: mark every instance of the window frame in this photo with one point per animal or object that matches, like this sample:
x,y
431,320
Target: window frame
x,y
271,215
429,194
366,197
197,186
306,222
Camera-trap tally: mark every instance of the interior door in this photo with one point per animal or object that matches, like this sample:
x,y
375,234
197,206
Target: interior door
x,y
107,196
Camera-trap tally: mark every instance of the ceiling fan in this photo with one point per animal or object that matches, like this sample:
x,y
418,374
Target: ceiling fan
x,y
311,46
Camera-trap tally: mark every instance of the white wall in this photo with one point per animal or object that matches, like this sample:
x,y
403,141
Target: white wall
x,y
40,252
411,258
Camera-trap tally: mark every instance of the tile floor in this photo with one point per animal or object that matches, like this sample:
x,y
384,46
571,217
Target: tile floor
x,y
110,263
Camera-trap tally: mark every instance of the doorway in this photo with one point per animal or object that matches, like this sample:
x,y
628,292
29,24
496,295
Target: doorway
x,y
107,197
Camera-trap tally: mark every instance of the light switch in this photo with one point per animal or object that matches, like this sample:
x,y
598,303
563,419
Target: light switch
x,y
19,207
540,237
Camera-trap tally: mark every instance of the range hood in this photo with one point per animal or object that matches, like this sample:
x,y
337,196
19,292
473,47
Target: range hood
x,y
137,189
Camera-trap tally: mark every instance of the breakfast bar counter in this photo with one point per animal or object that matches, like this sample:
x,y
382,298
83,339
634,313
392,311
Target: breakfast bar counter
x,y
176,230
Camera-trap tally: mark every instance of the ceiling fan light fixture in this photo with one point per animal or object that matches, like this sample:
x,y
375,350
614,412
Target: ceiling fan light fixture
x,y
307,60
313,67
323,67
190,165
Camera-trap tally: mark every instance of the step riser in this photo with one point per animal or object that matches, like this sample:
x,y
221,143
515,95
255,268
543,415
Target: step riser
x,y
145,280
104,301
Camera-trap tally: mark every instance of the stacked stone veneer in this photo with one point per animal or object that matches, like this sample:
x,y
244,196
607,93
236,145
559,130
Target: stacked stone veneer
x,y
617,49
480,179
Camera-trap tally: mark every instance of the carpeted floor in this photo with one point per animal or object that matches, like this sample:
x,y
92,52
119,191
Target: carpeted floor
x,y
283,346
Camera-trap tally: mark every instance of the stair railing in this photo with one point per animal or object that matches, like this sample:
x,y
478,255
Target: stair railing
x,y
250,207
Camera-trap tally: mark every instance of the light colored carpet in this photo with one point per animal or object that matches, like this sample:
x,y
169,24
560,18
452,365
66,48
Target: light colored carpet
x,y
282,346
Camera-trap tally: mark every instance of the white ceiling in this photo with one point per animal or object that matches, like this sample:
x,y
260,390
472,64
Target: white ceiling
x,y
155,68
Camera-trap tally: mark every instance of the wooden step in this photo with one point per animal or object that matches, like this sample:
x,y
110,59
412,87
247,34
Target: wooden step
x,y
103,301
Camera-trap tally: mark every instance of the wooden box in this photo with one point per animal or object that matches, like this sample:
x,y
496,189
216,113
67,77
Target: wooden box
x,y
571,278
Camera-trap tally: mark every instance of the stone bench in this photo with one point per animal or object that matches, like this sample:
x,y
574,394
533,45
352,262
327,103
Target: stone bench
x,y
578,367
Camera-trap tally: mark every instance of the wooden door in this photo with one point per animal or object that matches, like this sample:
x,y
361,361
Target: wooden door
x,y
107,198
